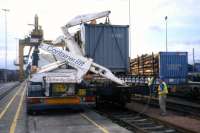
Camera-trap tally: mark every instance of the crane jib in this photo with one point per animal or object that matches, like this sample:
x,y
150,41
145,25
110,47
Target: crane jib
x,y
63,54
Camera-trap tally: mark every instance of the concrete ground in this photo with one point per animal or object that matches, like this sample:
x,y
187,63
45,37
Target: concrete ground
x,y
13,118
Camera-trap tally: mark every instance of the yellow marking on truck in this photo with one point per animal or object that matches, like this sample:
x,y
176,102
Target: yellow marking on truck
x,y
104,130
62,101
81,92
8,105
58,88
14,122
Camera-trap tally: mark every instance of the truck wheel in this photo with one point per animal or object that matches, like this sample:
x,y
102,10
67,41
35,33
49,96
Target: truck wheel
x,y
195,92
29,112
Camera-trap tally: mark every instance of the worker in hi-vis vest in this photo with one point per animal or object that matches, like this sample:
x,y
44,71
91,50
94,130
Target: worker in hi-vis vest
x,y
162,93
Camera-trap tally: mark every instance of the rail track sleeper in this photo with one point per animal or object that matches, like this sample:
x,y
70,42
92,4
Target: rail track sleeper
x,y
170,131
162,132
123,116
139,120
152,127
127,119
131,117
146,123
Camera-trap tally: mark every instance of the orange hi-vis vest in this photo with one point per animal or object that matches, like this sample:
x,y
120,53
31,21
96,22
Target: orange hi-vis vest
x,y
162,89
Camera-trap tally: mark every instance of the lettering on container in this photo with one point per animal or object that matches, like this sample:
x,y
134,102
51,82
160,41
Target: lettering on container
x,y
173,66
117,35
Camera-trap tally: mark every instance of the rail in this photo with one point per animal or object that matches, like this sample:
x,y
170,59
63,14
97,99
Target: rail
x,y
5,91
137,122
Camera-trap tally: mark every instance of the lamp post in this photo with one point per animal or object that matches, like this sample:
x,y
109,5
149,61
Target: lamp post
x,y
17,45
6,10
166,31
193,59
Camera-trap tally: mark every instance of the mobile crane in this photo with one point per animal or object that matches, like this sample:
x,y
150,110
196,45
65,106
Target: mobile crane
x,y
52,86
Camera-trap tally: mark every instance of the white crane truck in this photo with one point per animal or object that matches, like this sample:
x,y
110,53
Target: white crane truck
x,y
55,87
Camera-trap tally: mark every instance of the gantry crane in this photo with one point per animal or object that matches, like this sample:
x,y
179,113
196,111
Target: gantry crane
x,y
33,41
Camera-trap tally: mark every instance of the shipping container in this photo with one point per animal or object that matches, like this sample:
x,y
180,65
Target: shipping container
x,y
171,66
108,45
190,68
197,67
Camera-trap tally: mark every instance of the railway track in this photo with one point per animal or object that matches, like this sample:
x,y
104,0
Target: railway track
x,y
5,90
184,107
137,122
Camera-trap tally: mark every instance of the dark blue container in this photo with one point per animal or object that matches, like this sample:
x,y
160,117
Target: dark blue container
x,y
197,67
108,45
173,67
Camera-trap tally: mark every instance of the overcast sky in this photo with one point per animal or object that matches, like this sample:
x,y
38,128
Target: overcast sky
x,y
147,22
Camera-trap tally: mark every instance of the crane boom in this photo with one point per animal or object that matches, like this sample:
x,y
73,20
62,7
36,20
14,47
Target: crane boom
x,y
81,64
86,17
51,66
78,62
69,39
